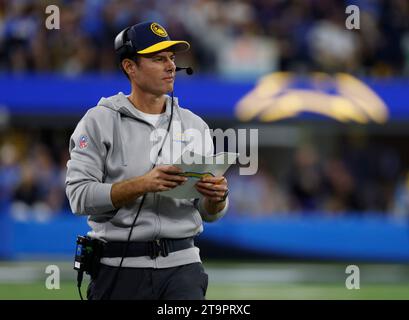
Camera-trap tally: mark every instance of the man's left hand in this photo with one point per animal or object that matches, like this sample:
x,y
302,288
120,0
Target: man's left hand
x,y
214,189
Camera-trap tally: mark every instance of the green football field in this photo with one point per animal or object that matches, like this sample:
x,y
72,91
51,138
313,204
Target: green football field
x,y
232,280
68,291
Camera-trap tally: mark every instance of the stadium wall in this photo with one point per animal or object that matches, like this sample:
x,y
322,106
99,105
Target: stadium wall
x,y
369,237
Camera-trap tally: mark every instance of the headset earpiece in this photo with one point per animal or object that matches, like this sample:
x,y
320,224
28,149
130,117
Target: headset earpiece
x,y
123,46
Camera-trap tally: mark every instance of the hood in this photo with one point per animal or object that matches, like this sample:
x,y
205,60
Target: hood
x,y
122,105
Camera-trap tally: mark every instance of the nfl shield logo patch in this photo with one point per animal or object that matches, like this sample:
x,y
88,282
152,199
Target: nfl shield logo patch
x,y
83,142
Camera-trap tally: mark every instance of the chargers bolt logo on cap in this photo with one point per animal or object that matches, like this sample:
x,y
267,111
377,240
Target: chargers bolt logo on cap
x,y
158,30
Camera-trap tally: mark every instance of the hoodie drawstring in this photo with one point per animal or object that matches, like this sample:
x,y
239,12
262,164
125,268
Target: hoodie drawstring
x,y
121,138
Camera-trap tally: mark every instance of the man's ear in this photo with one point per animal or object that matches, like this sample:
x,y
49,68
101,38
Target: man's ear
x,y
129,66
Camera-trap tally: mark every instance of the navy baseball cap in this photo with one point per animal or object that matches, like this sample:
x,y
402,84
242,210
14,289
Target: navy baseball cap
x,y
148,37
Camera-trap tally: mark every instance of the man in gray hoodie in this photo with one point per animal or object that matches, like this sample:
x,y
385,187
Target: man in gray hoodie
x,y
115,178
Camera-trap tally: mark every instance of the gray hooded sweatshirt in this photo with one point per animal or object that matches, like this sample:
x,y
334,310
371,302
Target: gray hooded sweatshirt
x,y
112,143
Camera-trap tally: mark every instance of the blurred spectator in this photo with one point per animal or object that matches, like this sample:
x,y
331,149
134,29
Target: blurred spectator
x,y
248,55
332,47
306,179
19,29
9,173
48,177
341,194
61,200
400,205
39,192
28,201
258,194
35,187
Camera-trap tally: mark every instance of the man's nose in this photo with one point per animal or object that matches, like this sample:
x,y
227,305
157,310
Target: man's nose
x,y
170,66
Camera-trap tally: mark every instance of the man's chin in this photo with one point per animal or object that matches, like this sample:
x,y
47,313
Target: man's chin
x,y
164,89
169,88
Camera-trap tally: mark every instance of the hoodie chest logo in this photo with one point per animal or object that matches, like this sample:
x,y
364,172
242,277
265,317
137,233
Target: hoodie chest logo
x,y
180,137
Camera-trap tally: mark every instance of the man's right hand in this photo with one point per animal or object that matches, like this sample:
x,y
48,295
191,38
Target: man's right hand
x,y
162,178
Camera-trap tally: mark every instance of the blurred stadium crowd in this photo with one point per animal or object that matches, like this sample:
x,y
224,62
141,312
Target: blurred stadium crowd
x,y
363,178
32,173
246,37
229,38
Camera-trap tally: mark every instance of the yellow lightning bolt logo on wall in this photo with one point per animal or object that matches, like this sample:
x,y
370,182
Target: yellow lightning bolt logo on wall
x,y
272,99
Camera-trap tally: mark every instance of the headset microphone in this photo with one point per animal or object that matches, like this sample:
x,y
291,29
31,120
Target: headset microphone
x,y
188,70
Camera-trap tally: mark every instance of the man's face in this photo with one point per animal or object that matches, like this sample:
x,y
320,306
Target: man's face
x,y
155,73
